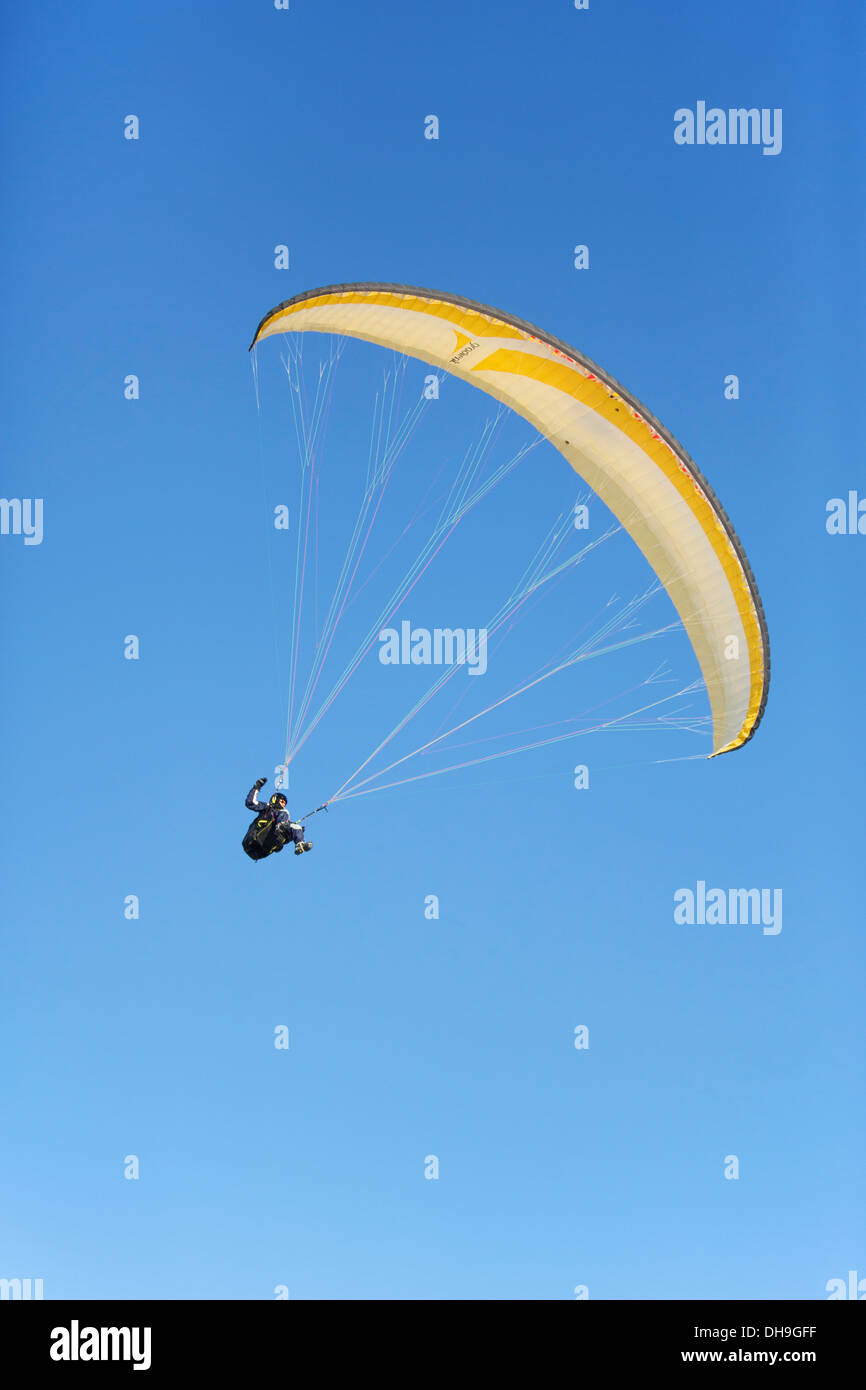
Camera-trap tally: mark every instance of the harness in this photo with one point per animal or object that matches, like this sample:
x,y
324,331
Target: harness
x,y
262,832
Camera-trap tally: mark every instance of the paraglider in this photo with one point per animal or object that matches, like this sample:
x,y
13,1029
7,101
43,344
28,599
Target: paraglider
x,y
273,827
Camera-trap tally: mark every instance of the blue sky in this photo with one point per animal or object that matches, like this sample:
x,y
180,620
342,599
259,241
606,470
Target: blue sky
x,y
412,1037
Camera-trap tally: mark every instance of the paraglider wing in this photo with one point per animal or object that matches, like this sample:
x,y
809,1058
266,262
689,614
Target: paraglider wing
x,y
637,468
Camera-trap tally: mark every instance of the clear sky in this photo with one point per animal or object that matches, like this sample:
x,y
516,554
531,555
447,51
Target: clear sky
x,y
411,1037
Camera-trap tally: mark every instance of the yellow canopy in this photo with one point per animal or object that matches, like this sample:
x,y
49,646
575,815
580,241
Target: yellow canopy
x,y
626,456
